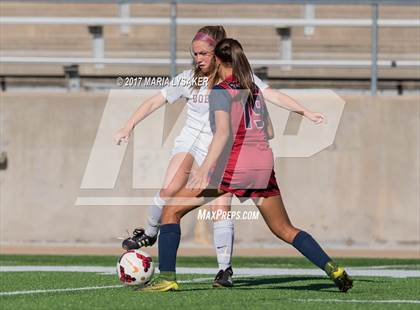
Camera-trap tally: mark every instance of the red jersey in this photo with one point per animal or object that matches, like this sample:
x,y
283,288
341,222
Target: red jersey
x,y
246,166
248,139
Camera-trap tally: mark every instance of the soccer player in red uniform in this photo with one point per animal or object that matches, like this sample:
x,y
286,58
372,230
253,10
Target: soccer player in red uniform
x,y
240,162
247,160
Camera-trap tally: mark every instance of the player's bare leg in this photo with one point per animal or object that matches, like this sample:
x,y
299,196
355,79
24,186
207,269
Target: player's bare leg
x,y
275,215
183,202
176,177
177,174
187,200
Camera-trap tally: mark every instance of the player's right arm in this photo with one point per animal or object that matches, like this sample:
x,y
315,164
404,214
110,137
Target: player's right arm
x,y
170,93
148,107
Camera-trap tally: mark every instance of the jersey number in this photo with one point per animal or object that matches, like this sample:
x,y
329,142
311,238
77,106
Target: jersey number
x,y
254,115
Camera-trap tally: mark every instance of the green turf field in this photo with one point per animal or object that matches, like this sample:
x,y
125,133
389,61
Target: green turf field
x,y
99,290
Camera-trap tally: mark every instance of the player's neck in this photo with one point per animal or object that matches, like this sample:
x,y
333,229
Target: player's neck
x,y
225,72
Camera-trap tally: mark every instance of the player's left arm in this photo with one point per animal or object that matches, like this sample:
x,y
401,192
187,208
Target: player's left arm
x,y
220,138
199,178
284,101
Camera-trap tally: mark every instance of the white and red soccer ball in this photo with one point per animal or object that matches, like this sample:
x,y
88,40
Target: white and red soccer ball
x,y
135,267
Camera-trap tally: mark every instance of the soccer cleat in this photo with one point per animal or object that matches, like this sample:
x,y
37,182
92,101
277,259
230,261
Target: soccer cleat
x,y
340,277
160,285
342,280
138,240
224,278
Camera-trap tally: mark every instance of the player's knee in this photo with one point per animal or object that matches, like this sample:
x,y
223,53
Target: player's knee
x,y
216,207
177,214
221,212
167,192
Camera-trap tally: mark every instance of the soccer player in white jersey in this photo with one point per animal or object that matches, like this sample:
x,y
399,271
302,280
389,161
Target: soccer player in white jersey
x,y
191,145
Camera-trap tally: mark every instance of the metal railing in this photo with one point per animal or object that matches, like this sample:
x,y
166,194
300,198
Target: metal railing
x,y
186,21
188,61
173,21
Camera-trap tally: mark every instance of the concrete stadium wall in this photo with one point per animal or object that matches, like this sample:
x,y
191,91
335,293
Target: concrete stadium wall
x,y
361,192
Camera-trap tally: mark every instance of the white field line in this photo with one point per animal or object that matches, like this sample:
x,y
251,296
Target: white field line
x,y
390,267
198,280
392,301
88,288
367,272
94,269
59,290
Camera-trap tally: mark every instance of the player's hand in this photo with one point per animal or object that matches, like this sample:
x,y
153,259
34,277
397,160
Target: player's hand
x,y
316,117
122,135
199,179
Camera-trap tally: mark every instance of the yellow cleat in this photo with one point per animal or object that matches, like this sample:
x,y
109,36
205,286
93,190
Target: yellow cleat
x,y
341,279
339,276
160,285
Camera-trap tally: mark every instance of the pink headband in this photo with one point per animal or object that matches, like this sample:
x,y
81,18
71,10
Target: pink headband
x,y
201,36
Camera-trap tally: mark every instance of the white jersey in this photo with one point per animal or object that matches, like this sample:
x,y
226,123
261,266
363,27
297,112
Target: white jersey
x,y
196,135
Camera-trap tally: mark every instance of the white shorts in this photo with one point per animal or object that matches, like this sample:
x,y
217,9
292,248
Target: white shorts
x,y
187,142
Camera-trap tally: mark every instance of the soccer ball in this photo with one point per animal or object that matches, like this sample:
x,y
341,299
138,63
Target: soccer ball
x,y
135,267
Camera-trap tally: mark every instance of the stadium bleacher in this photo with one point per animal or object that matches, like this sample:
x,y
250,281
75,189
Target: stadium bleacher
x,y
338,43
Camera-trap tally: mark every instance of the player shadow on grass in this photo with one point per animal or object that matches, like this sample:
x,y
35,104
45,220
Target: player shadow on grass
x,y
253,283
247,283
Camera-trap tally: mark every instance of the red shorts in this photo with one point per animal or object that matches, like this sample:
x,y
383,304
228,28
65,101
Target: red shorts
x,y
250,183
247,172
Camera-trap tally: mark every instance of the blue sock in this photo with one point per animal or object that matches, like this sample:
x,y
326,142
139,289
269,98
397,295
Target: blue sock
x,y
309,248
170,235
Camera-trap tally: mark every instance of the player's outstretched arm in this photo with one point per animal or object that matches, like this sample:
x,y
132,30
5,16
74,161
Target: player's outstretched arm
x,y
282,100
146,108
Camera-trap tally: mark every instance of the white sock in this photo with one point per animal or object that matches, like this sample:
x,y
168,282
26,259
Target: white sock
x,y
223,242
153,218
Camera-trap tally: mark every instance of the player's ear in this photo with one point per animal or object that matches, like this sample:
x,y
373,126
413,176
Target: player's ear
x,y
217,61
